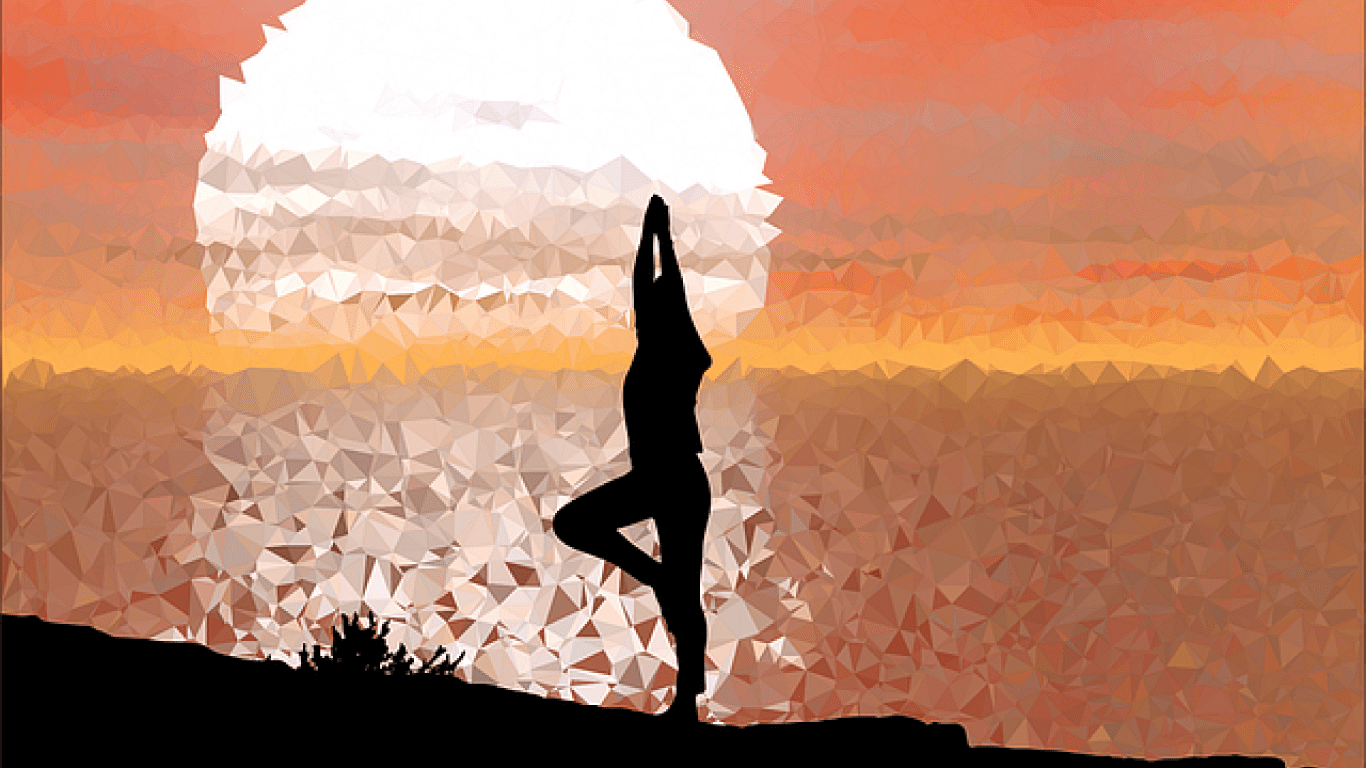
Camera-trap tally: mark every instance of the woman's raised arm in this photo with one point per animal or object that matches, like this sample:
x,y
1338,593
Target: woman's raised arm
x,y
668,262
643,277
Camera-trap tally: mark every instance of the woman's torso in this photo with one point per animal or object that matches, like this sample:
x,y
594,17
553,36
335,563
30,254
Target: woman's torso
x,y
659,395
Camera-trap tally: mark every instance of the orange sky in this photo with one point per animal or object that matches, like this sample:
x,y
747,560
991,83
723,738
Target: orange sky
x,y
1018,184
1047,177
105,109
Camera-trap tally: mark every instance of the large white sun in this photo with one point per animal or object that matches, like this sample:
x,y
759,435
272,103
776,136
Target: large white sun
x,y
427,169
530,83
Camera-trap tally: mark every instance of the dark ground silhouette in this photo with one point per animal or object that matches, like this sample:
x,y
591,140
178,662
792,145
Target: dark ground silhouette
x,y
74,695
667,481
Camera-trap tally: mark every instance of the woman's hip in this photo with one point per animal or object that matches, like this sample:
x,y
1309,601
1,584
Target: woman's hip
x,y
682,472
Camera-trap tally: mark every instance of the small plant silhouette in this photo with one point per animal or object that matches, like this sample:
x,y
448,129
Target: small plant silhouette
x,y
360,648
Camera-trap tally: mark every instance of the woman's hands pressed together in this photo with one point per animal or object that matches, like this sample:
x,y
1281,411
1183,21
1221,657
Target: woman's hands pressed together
x,y
657,216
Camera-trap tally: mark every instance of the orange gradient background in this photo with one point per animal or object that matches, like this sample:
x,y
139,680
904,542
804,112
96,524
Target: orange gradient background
x,y
1140,224
1015,184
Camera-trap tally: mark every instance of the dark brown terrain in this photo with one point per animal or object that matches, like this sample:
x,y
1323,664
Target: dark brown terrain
x,y
74,695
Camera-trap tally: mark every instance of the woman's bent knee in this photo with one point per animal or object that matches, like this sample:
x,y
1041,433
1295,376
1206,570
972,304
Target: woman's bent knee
x,y
567,525
577,523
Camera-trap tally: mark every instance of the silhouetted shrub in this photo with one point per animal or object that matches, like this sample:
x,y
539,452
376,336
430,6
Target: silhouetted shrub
x,y
360,648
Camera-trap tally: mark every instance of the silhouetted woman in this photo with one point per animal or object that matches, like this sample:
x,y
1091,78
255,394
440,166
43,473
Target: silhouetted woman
x,y
667,480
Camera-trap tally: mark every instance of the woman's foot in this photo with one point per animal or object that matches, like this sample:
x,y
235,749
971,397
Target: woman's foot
x,y
683,709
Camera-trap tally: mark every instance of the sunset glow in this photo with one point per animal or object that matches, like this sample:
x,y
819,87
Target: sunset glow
x,y
992,182
1037,331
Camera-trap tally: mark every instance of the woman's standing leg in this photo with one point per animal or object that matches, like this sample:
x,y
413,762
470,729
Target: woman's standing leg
x,y
678,496
682,526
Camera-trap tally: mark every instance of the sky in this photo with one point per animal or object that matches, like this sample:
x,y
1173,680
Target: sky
x,y
505,151
1156,181
1019,186
531,84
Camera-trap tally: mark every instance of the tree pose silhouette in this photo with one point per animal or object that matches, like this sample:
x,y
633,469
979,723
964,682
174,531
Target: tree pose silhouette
x,y
667,481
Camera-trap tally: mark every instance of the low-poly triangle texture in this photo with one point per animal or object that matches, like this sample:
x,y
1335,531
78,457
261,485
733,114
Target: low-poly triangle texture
x,y
1038,404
